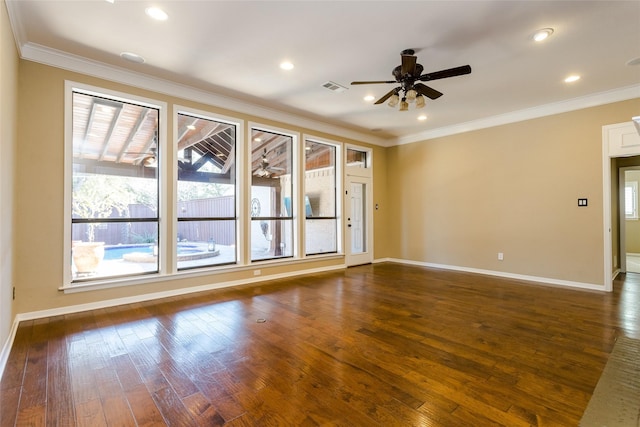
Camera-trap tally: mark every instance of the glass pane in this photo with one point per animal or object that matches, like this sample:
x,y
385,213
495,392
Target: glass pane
x,y
320,198
320,180
271,195
357,219
628,200
271,239
357,158
321,236
119,249
114,177
205,243
207,191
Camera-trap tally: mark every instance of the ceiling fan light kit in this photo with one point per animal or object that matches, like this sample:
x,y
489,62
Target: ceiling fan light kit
x,y
150,161
409,76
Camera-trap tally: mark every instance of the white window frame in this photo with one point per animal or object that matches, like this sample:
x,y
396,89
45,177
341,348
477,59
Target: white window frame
x,y
239,166
295,190
338,196
70,87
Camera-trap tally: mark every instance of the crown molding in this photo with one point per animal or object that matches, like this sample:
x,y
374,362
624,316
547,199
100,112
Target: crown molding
x,y
59,59
593,100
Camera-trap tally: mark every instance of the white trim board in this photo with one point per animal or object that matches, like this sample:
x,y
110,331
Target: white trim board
x,y
587,101
539,280
56,58
618,140
6,349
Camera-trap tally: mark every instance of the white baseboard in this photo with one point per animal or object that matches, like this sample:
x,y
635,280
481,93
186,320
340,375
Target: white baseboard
x,y
4,355
6,349
536,279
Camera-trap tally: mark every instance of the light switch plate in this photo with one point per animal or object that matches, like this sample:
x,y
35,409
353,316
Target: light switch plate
x,y
582,202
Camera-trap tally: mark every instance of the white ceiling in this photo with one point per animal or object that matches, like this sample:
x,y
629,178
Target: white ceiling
x,y
233,49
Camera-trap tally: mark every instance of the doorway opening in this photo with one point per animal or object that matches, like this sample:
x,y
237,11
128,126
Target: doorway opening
x,y
620,144
629,213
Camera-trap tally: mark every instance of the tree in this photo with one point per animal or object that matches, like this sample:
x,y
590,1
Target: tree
x,y
98,196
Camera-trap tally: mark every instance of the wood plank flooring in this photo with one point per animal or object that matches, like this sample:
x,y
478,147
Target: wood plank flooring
x,y
376,345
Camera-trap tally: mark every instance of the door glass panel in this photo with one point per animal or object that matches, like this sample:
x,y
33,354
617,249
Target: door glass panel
x,y
358,226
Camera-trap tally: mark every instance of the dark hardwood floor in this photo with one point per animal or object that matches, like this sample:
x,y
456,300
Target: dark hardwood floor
x,y
385,344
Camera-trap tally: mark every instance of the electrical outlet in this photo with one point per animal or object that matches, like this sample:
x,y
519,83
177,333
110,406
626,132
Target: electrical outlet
x,y
500,256
257,272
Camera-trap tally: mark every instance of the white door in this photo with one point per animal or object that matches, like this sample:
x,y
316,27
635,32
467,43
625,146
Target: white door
x,y
358,221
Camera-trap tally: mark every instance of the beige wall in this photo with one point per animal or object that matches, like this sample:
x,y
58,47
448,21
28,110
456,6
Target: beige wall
x,y
8,141
459,200
39,187
456,200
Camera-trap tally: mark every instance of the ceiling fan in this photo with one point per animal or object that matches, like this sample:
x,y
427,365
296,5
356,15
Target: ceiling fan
x,y
264,169
147,159
409,76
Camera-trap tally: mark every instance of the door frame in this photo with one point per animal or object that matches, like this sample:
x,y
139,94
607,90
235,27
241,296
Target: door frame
x,y
618,140
622,219
364,175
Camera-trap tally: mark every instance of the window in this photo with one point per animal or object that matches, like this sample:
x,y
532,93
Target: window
x,y
357,158
631,200
272,195
119,178
206,211
321,224
114,187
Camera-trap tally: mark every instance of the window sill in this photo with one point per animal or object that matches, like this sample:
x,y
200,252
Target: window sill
x,y
159,277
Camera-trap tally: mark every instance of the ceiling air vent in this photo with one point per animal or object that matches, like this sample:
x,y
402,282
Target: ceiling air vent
x,y
333,86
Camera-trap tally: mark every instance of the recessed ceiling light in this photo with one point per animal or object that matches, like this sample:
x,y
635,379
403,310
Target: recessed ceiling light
x,y
257,139
369,98
286,65
572,78
422,117
132,57
191,127
542,34
156,13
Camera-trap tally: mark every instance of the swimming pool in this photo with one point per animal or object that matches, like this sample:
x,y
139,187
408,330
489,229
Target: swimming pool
x,y
145,253
119,251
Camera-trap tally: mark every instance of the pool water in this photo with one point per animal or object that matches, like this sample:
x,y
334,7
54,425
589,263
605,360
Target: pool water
x,y
118,252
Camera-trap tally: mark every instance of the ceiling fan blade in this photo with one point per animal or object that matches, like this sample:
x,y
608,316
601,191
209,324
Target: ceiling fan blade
x,y
373,82
443,74
386,96
427,91
408,65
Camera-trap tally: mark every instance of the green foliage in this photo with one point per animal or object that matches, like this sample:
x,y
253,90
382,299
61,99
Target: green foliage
x,y
188,190
99,196
144,237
